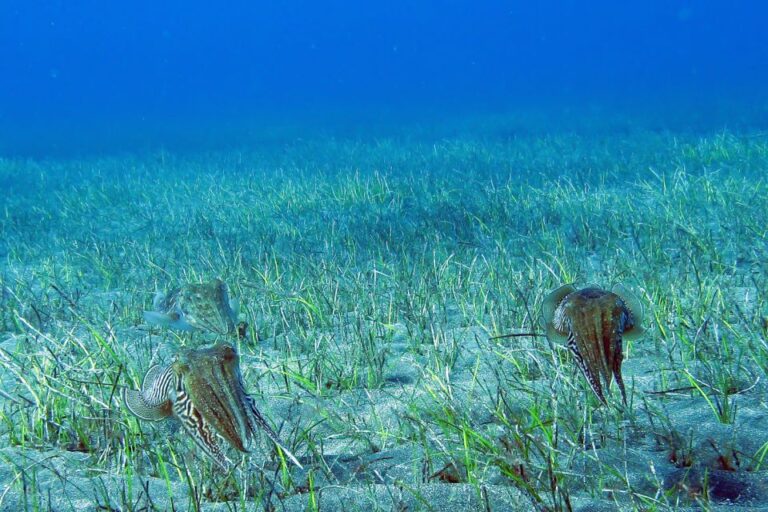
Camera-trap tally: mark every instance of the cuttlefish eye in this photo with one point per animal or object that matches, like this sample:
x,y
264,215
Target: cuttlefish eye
x,y
226,353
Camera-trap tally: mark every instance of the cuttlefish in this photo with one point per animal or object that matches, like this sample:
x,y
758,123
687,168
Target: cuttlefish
x,y
198,306
593,323
204,390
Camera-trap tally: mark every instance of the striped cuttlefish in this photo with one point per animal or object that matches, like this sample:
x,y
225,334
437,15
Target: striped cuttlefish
x,y
593,323
198,307
204,390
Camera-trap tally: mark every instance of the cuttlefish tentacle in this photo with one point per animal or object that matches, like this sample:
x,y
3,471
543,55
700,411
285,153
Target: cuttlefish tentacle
x,y
204,390
214,383
594,323
233,413
257,421
198,428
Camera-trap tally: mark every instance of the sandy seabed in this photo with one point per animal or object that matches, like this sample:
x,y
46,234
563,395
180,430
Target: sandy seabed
x,y
380,279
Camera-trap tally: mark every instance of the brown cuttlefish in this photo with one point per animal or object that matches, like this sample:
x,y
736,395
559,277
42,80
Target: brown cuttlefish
x,y
198,307
204,390
593,323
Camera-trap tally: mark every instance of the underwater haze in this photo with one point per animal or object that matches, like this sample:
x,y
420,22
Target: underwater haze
x,y
89,75
356,256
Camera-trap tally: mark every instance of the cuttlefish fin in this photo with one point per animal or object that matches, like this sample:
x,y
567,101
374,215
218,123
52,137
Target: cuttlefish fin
x,y
554,335
170,320
234,305
161,319
157,382
157,300
634,329
200,430
144,410
258,422
153,402
548,309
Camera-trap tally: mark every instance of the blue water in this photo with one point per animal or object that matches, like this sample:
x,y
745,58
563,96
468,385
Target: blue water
x,y
94,75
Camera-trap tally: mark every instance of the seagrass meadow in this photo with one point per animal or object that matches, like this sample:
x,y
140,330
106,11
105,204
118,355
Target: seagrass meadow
x,y
392,288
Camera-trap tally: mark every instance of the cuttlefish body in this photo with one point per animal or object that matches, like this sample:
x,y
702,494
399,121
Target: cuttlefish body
x,y
204,390
593,323
198,306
